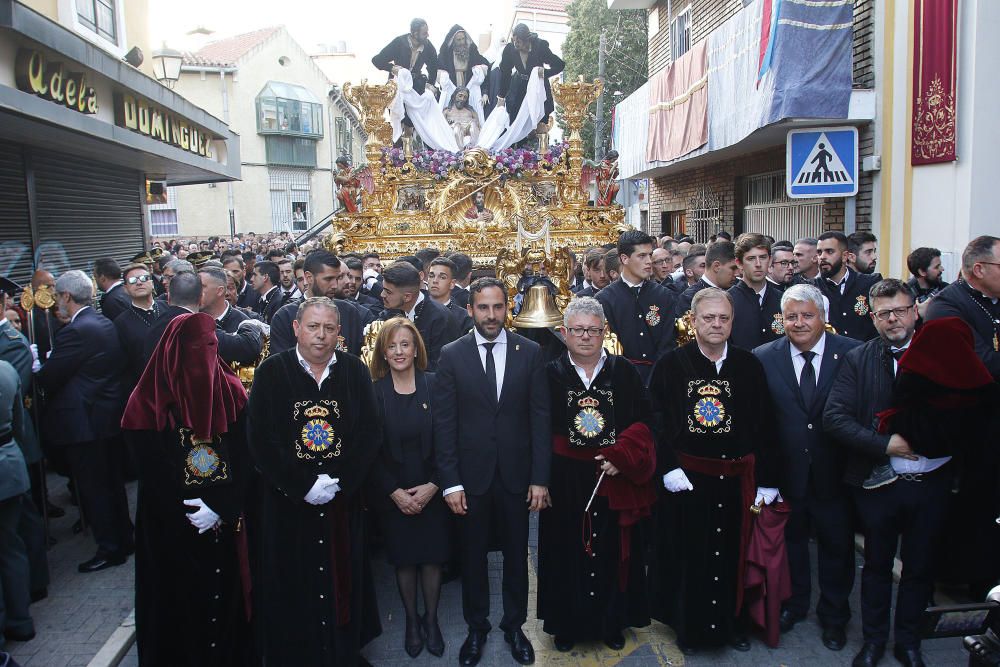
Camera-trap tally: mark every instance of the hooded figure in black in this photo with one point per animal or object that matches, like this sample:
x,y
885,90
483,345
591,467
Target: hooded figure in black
x,y
520,58
458,56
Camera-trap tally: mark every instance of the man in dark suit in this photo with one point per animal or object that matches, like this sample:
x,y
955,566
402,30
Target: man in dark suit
x,y
245,349
185,297
720,271
597,273
402,295
412,52
266,280
440,286
352,292
800,369
493,455
82,381
246,297
912,508
108,276
133,324
846,290
463,276
639,310
756,303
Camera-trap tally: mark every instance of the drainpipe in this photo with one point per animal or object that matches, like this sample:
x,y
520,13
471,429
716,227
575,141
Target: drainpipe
x,y
229,184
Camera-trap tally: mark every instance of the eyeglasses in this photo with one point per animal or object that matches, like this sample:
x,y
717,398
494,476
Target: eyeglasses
x,y
144,278
785,263
659,262
900,313
578,332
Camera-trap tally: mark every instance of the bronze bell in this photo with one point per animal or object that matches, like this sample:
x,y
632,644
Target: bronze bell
x,y
539,310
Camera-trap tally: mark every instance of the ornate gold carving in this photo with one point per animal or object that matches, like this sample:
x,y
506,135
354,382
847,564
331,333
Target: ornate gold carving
x,y
934,123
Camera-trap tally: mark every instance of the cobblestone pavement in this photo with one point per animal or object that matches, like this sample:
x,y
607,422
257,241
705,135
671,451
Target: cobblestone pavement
x,y
82,611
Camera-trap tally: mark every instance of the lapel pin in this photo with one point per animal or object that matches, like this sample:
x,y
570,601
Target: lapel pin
x,y
517,348
835,356
425,406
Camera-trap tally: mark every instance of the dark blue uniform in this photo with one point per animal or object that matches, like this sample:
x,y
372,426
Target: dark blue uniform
x,y
644,323
849,312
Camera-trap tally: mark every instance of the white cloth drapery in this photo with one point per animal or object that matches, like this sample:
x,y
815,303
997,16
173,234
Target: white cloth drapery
x,y
423,112
498,133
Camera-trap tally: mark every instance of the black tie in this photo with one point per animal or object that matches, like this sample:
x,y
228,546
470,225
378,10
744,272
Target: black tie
x,y
807,380
635,291
491,370
898,354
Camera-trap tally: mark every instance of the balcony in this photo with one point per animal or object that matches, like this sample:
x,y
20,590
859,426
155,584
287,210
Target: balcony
x,y
289,110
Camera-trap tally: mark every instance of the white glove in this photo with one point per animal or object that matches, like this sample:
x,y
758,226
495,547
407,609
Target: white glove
x,y
766,494
36,365
676,480
262,327
369,277
204,519
323,490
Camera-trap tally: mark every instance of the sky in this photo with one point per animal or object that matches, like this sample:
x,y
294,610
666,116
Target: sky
x,y
366,25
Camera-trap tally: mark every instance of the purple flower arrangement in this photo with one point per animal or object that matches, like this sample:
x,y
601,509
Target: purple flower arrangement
x,y
515,162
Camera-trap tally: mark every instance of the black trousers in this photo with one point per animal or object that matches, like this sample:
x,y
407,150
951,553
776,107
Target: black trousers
x,y
98,476
830,520
14,587
504,514
914,513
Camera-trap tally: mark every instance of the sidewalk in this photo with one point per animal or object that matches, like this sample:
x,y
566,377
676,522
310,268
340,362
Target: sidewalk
x,y
82,612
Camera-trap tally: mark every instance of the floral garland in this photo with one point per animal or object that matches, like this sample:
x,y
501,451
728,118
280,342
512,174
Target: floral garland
x,y
511,162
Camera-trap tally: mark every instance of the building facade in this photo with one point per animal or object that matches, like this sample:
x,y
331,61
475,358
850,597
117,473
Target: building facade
x,y
84,134
737,182
293,124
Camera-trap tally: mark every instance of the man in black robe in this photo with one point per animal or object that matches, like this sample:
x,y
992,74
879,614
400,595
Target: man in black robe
x,y
717,456
639,310
526,55
324,275
412,52
133,324
314,434
591,569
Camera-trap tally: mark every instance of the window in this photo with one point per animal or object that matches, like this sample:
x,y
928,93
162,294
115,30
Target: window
x,y
284,108
680,34
99,16
345,138
163,222
290,151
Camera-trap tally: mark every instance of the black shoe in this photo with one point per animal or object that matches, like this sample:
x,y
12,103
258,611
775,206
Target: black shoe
x,y
520,647
788,619
740,643
615,642
19,637
39,595
563,644
413,639
834,637
54,511
432,637
908,657
472,649
869,656
101,562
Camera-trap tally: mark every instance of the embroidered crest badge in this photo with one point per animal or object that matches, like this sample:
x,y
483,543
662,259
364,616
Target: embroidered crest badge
x,y
709,410
317,436
341,344
589,422
778,325
653,316
861,307
590,427
202,462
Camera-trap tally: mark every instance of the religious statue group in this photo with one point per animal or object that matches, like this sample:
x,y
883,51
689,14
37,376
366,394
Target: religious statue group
x,y
450,94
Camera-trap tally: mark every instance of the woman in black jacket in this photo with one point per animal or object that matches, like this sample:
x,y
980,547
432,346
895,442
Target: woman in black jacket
x,y
413,515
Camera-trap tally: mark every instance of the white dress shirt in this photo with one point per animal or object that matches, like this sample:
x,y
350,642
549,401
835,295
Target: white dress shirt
x,y
798,362
587,381
308,369
719,362
500,361
411,314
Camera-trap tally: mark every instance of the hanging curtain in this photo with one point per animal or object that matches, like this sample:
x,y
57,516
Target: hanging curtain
x,y
935,39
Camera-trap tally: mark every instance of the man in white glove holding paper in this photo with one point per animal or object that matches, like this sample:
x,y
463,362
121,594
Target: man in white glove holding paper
x,y
716,458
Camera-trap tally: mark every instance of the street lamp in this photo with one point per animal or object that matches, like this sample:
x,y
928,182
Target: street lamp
x,y
167,66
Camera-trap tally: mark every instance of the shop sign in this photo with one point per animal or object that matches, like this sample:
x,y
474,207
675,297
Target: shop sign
x,y
157,123
38,76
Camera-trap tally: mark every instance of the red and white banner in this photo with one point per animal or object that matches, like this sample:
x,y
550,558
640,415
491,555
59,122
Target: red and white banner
x,y
935,62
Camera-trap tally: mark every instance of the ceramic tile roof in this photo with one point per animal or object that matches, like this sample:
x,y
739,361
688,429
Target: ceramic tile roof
x,y
544,5
226,52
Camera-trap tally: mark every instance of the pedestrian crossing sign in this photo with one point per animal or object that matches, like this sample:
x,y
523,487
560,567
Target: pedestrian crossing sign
x,y
822,162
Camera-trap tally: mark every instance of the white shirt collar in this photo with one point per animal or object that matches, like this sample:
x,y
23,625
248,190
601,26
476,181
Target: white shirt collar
x,y
709,282
305,366
499,340
718,363
583,373
224,313
270,291
412,312
817,349
72,319
629,283
114,285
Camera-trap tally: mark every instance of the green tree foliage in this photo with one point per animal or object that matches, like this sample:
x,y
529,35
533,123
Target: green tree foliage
x,y
625,65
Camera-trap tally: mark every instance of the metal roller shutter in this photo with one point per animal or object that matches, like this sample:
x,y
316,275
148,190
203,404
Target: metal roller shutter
x,y
85,210
15,223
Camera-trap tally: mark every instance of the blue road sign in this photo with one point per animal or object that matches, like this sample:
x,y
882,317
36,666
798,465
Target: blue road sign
x,y
822,162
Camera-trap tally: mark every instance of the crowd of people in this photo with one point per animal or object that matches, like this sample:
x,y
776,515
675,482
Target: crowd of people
x,y
767,393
